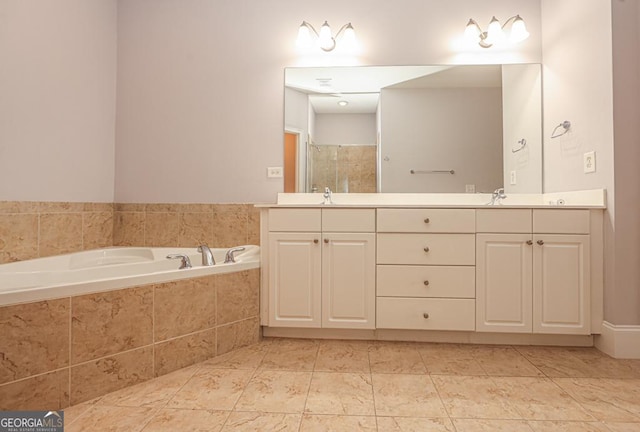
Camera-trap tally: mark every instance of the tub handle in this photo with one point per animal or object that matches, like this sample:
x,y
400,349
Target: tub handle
x,y
184,264
229,257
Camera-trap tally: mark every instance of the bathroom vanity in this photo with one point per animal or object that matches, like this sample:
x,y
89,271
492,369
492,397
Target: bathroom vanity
x,y
443,267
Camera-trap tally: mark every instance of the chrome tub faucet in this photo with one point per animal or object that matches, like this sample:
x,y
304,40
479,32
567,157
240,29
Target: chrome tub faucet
x,y
207,255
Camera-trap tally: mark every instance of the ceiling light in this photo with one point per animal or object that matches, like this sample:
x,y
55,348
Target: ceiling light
x,y
343,103
325,40
495,34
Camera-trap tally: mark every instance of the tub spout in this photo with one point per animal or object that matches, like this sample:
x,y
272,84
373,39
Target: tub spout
x,y
229,257
184,264
207,255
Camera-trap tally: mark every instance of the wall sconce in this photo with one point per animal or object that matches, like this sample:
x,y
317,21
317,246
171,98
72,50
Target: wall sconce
x,y
495,32
325,40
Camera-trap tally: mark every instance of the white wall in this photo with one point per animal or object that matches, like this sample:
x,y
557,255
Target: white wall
x,y
200,82
456,129
341,129
57,100
522,117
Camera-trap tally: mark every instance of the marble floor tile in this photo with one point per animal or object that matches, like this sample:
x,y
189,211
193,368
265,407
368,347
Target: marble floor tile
x,y
390,357
275,391
613,400
171,420
241,421
343,356
504,361
154,393
211,388
540,399
406,395
562,426
291,354
556,362
324,423
72,413
479,425
414,424
623,427
450,359
112,419
474,397
341,394
244,358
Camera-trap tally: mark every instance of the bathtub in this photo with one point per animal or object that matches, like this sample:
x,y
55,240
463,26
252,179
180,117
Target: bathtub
x,y
109,269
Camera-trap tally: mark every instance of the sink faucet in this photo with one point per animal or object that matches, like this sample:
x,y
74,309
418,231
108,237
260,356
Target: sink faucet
x,y
327,196
207,255
496,196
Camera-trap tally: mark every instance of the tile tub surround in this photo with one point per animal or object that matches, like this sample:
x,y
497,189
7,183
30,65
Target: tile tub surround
x,y
312,388
30,229
66,351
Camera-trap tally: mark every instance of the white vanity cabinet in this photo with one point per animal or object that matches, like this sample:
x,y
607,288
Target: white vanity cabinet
x,y
426,269
533,271
322,268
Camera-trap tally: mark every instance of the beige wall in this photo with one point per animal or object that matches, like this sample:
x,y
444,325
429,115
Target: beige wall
x,y
57,103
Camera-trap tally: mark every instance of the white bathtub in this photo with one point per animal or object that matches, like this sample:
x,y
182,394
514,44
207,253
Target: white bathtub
x,y
109,269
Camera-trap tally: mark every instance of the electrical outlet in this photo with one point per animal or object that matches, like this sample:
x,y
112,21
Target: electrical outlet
x,y
512,178
589,162
470,188
274,172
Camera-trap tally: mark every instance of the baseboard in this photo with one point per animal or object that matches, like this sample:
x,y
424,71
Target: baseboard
x,y
619,341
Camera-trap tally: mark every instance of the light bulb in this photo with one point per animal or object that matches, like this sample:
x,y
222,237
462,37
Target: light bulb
x,y
304,36
518,31
348,41
472,32
494,32
327,43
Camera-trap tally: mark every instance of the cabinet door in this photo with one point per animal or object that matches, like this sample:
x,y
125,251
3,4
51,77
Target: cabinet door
x,y
348,280
561,286
503,283
294,279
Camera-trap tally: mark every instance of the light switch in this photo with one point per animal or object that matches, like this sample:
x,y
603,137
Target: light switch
x,y
274,172
512,178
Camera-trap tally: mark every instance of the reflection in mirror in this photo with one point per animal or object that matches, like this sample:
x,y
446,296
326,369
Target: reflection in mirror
x,y
414,128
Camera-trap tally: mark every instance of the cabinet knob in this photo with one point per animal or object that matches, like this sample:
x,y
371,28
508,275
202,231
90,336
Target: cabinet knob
x,y
427,220
425,315
529,242
326,240
315,241
540,242
426,249
426,283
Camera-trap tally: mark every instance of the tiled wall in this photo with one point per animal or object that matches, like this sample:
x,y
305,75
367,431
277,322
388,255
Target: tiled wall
x,y
344,168
61,352
37,229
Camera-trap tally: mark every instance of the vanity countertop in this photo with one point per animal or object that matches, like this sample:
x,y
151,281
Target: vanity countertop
x,y
589,199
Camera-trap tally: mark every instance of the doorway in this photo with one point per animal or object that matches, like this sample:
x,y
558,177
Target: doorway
x,y
290,161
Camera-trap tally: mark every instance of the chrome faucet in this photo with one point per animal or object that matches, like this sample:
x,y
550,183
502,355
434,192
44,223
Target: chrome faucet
x,y
207,255
230,257
496,196
327,196
185,262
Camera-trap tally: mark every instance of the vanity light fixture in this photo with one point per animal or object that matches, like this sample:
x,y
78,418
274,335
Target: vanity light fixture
x,y
495,32
343,103
325,40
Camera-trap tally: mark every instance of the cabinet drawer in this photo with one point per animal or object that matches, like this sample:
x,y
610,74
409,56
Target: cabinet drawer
x,y
503,221
426,281
426,249
294,219
349,220
441,314
426,220
561,221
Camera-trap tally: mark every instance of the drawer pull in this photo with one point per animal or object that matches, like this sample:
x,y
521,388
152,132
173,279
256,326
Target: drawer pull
x,y
326,240
529,242
425,315
315,241
427,220
426,249
426,283
540,242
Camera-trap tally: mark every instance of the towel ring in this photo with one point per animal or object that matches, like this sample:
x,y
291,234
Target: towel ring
x,y
566,125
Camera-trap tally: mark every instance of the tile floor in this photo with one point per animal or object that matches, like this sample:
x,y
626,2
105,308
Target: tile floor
x,y
321,385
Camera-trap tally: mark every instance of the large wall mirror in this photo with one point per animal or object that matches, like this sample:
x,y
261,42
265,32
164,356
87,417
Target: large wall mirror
x,y
470,128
